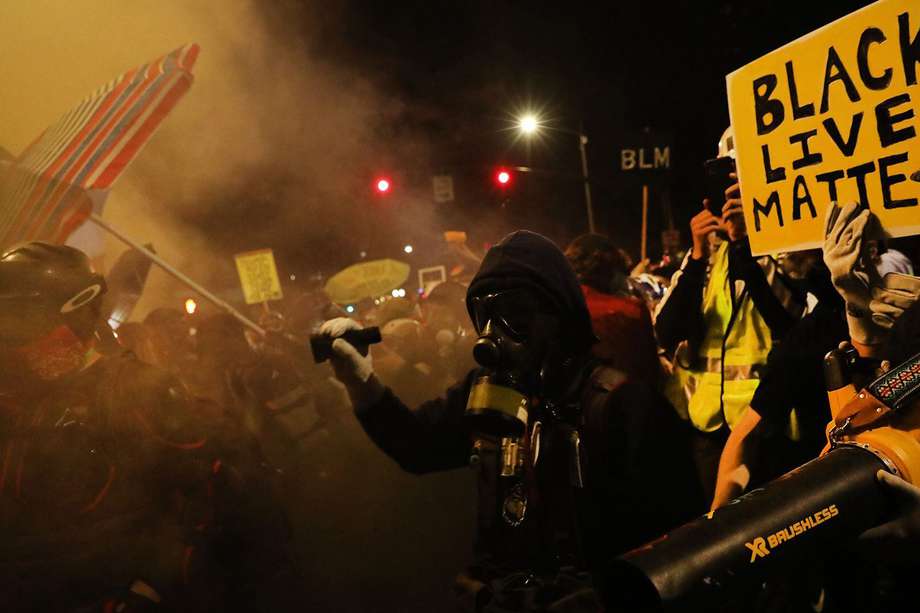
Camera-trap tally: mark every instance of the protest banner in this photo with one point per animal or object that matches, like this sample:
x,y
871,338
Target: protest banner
x,y
831,117
258,276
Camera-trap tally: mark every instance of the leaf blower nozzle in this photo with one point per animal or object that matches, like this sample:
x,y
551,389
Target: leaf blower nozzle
x,y
827,502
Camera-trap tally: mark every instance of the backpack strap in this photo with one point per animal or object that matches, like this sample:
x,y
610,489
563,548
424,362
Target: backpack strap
x,y
593,419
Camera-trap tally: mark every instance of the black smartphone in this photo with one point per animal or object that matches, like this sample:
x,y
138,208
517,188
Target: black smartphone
x,y
718,179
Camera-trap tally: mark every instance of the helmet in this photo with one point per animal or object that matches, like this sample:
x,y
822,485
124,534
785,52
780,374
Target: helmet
x,y
43,286
727,143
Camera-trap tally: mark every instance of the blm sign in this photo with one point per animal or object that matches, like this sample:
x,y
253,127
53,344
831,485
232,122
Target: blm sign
x,y
832,116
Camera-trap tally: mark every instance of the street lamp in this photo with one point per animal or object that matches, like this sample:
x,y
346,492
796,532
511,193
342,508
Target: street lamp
x,y
530,124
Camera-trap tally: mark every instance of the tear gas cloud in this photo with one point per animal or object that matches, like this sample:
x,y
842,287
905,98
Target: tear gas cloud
x,y
274,146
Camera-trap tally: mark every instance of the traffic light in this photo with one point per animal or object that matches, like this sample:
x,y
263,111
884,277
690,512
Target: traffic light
x,y
503,177
382,185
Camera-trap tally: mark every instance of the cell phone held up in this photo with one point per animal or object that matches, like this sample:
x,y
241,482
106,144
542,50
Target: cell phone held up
x,y
718,179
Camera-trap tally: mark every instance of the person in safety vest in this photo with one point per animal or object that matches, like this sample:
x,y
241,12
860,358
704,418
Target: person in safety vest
x,y
116,491
563,447
721,316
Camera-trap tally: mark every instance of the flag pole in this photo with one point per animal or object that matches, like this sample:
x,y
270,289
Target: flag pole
x,y
96,219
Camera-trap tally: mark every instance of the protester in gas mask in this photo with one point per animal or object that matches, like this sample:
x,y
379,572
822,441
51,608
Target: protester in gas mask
x,y
575,463
113,494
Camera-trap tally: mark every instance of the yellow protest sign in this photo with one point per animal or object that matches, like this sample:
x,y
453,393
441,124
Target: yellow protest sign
x,y
831,116
258,276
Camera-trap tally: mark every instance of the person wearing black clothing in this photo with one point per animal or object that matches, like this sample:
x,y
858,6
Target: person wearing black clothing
x,y
793,379
849,309
118,491
581,465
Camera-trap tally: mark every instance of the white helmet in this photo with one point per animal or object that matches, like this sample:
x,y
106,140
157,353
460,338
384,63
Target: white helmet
x,y
727,143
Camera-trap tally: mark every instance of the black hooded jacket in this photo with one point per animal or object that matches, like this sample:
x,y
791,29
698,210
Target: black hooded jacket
x,y
637,478
527,259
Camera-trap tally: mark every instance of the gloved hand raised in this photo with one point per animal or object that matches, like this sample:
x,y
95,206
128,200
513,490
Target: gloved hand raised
x,y
897,293
352,365
844,233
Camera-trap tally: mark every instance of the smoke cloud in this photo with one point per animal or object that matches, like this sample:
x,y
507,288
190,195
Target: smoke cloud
x,y
274,146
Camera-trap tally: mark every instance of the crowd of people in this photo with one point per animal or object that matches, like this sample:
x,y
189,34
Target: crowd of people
x,y
168,466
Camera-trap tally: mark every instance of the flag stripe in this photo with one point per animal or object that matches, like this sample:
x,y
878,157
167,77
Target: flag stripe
x,y
90,151
44,194
139,134
43,190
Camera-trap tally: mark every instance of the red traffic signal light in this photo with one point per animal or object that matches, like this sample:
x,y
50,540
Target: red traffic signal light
x,y
382,185
503,177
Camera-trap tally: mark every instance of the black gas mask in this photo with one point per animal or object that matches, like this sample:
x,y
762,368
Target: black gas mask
x,y
518,332
518,347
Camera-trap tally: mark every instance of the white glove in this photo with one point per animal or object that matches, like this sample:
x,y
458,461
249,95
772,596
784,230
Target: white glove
x,y
897,293
351,365
844,231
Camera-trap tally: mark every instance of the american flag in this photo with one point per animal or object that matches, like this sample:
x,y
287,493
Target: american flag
x,y
49,190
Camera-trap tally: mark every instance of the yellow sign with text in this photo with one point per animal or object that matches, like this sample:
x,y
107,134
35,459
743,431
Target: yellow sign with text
x,y
832,116
258,276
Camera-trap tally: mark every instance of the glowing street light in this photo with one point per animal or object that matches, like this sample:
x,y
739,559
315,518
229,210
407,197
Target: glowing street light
x,y
528,124
408,249
191,306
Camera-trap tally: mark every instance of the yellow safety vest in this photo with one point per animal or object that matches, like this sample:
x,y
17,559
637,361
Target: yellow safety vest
x,y
746,347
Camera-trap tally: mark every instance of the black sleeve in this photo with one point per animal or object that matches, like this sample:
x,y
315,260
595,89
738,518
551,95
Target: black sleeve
x,y
794,375
432,437
773,398
650,485
743,266
680,315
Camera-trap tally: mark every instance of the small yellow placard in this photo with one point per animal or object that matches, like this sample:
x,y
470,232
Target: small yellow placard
x,y
258,276
832,116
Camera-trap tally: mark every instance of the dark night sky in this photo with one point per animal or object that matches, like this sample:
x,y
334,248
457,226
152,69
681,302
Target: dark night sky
x,y
461,68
